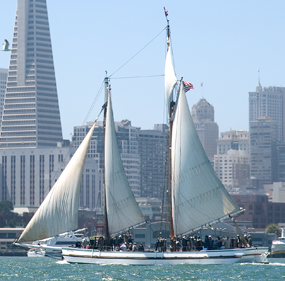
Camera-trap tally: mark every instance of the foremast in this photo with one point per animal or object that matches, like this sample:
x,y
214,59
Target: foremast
x,y
121,211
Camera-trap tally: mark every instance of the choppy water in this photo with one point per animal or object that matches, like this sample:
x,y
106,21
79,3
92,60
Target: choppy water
x,y
24,268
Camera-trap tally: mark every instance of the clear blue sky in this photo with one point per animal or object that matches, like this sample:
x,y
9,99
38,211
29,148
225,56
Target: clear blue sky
x,y
219,43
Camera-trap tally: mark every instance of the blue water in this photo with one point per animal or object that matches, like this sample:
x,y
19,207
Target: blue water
x,y
24,268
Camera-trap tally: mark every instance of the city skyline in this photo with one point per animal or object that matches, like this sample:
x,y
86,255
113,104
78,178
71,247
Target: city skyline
x,y
221,44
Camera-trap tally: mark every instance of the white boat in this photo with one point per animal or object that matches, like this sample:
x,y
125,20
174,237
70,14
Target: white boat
x,y
198,197
51,247
278,246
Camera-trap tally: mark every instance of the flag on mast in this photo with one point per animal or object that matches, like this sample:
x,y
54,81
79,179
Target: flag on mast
x,y
187,86
166,12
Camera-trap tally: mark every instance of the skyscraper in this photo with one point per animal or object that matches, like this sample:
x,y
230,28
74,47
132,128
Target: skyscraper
x,y
31,115
206,127
154,167
269,101
263,153
3,81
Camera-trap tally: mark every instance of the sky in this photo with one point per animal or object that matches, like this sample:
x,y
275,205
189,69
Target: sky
x,y
221,44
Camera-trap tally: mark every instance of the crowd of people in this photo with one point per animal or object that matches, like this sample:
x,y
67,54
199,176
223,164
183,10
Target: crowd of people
x,y
125,242
195,243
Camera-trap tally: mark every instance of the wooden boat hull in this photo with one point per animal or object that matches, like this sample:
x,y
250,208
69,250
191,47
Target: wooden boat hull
x,y
228,256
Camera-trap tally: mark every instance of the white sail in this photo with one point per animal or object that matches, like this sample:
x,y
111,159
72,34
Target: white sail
x,y
59,210
170,78
198,196
123,211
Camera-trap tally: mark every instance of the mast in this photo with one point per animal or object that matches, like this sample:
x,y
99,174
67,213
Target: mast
x,y
106,226
171,111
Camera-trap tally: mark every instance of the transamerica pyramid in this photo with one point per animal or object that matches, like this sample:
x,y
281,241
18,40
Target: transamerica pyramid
x,y
31,116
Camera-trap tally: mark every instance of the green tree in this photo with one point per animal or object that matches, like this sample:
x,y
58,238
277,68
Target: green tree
x,y
6,207
273,228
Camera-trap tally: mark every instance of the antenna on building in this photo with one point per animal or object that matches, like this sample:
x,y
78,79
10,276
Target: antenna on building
x,y
258,70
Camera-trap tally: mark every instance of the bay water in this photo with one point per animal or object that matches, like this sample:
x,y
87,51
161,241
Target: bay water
x,y
24,268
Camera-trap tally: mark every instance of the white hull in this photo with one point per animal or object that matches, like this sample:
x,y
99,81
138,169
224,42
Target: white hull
x,y
278,249
229,256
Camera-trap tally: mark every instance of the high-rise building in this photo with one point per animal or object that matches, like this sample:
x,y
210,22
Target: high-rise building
x,y
31,115
263,152
154,167
3,81
236,140
206,127
269,101
232,168
281,161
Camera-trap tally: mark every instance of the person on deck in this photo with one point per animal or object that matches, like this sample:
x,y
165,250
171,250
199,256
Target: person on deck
x,y
141,247
84,242
249,241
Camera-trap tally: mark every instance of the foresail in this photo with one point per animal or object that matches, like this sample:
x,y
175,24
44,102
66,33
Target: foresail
x,y
123,211
59,211
198,196
170,79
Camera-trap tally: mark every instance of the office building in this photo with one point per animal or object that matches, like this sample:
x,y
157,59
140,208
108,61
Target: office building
x,y
206,127
269,101
235,140
263,153
29,174
281,161
154,164
31,115
232,168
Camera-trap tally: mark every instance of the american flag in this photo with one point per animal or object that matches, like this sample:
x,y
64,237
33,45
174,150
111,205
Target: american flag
x,y
188,86
166,12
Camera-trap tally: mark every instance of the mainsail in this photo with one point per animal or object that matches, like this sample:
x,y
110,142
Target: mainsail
x,y
59,211
198,196
123,211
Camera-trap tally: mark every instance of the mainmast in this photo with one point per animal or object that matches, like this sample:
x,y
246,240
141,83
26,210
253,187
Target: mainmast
x,y
106,227
171,111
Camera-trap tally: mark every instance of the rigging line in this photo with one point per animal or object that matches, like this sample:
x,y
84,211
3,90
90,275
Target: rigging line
x,y
146,76
138,52
94,102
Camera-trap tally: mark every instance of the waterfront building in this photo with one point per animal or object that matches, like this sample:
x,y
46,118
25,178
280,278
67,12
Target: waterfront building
x,y
3,81
206,127
269,101
263,153
259,212
8,236
154,167
31,116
